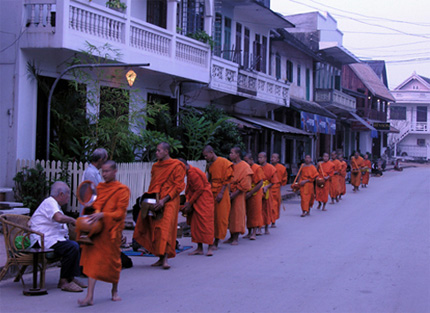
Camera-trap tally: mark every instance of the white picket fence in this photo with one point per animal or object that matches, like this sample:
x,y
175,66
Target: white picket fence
x,y
136,176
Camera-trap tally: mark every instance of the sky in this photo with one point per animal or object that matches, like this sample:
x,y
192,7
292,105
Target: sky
x,y
391,30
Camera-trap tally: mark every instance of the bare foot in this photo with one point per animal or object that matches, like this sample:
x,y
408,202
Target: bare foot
x,y
273,225
267,232
324,210
230,240
166,265
196,252
247,236
85,302
252,237
115,296
258,233
235,242
158,263
210,251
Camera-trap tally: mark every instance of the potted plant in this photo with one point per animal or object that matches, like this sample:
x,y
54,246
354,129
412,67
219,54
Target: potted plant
x,y
116,5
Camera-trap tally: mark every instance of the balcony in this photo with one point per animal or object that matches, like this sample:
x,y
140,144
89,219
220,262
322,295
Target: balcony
x,y
335,100
68,24
227,77
419,127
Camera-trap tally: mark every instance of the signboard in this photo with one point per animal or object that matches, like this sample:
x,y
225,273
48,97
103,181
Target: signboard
x,y
313,123
357,126
381,126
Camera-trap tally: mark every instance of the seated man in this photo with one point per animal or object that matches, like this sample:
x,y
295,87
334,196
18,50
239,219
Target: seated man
x,y
50,220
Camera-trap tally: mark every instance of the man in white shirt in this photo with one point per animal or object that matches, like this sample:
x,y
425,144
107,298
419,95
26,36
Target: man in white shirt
x,y
50,220
92,173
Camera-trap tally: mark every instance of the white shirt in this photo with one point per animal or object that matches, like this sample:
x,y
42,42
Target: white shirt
x,y
43,221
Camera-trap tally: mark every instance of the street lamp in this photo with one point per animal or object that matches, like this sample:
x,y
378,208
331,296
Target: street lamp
x,y
51,92
131,77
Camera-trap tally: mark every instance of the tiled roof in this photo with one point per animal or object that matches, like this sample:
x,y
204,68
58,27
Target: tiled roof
x,y
372,82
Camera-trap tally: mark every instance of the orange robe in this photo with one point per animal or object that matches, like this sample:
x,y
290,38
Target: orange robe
x,y
102,261
356,165
242,180
342,177
276,190
199,195
270,177
326,168
254,205
221,173
365,178
335,183
307,191
159,236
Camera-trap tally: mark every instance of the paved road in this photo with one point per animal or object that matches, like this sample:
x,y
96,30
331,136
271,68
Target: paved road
x,y
370,253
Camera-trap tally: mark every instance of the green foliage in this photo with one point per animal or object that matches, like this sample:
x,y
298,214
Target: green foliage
x,y
203,37
31,187
148,141
116,4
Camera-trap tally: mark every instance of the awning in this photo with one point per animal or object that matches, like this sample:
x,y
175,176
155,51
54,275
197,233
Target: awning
x,y
242,124
374,132
394,130
337,53
257,13
310,106
273,125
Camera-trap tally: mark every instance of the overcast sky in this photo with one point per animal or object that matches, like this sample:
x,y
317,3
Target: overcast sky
x,y
402,38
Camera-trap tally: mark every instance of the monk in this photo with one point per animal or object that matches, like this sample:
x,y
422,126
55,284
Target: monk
x,y
335,185
270,179
199,209
326,172
276,189
342,176
167,180
102,261
220,174
254,199
356,165
365,170
240,184
306,182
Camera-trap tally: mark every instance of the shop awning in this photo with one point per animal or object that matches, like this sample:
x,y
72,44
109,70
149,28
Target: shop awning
x,y
273,125
374,132
242,124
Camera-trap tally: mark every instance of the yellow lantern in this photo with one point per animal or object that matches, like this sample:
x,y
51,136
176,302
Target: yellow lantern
x,y
131,77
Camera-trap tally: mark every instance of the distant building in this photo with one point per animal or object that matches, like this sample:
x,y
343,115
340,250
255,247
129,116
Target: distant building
x,y
410,115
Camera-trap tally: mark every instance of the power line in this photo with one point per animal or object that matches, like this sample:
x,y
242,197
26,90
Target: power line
x,y
392,46
372,17
409,60
4,49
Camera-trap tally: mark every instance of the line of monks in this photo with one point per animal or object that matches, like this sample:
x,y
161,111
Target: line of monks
x,y
329,178
233,195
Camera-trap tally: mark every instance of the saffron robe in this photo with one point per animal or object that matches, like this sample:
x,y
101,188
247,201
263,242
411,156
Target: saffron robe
x,y
356,164
335,183
102,261
367,166
199,195
326,168
276,190
159,236
254,205
220,174
307,191
270,177
342,177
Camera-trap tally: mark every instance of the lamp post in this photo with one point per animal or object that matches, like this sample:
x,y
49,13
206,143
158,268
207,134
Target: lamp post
x,y
51,92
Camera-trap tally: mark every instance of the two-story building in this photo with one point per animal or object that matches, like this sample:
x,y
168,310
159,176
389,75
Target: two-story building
x,y
410,114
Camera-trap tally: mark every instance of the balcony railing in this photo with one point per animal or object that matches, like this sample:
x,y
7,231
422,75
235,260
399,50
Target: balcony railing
x,y
420,127
98,22
227,77
335,98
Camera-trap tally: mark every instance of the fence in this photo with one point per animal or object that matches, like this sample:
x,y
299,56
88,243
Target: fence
x,y
136,176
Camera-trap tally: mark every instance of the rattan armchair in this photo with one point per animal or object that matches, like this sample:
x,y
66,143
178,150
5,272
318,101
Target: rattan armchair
x,y
17,225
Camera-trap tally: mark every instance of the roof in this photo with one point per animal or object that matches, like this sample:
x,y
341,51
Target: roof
x,y
372,82
285,36
271,124
337,54
378,66
310,106
425,78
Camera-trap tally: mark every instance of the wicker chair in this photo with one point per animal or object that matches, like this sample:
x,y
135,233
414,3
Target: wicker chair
x,y
17,225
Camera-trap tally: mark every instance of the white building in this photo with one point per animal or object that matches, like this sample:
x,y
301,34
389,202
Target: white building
x,y
411,115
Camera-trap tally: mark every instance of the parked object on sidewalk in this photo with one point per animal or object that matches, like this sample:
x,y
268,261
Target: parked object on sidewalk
x,y
15,228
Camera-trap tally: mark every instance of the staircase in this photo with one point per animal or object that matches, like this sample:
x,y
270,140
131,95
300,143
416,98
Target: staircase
x,y
403,133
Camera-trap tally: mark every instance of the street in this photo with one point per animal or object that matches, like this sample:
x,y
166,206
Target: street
x,y
368,253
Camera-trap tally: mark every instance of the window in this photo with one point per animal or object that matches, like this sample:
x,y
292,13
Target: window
x,y
264,55
278,66
246,48
217,34
256,62
238,49
192,16
299,74
308,84
421,114
289,71
156,12
227,39
421,142
397,113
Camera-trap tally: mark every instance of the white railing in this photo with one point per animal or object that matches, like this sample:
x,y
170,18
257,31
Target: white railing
x,y
420,126
414,151
96,24
226,76
189,51
40,14
335,97
136,176
148,39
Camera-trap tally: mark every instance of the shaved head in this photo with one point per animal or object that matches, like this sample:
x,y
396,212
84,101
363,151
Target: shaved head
x,y
208,149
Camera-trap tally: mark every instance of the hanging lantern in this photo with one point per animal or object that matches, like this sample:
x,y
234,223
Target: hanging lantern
x,y
131,77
